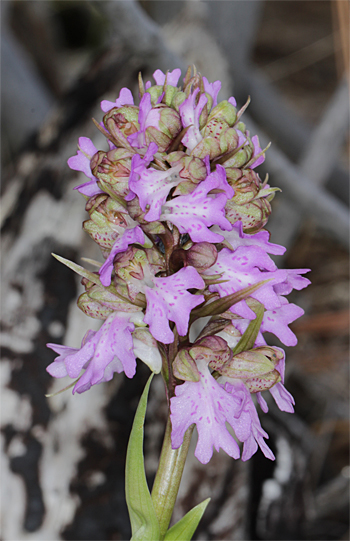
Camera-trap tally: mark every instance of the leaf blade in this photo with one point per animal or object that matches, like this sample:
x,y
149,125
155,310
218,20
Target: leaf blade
x,y
144,522
92,277
248,338
185,528
221,305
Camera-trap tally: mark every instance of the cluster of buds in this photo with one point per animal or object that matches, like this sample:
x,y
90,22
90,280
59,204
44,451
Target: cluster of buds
x,y
187,285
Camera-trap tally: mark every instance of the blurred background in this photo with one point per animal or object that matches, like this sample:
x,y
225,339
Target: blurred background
x,y
62,458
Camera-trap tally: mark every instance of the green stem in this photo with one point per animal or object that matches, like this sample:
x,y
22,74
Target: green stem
x,y
168,477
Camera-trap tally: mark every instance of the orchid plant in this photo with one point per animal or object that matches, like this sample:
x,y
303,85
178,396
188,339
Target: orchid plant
x,y
187,285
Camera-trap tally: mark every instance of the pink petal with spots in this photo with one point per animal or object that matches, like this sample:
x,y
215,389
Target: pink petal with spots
x,y
195,212
209,406
151,185
237,238
240,269
276,321
169,300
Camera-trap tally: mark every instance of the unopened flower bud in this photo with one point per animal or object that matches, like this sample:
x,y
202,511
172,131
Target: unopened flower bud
x,y
112,169
202,255
169,125
254,368
93,308
106,216
155,92
208,146
178,99
224,111
194,170
241,157
253,215
124,118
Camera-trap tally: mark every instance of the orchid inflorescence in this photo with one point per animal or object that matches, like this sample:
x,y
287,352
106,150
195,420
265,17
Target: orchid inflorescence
x,y
187,284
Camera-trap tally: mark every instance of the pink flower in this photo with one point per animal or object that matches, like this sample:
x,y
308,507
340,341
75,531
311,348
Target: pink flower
x,y
169,300
151,185
148,116
81,162
212,89
125,98
241,269
102,353
190,113
172,77
130,235
210,405
196,212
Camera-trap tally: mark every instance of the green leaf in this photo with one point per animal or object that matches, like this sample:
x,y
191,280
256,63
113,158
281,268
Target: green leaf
x,y
185,528
144,522
248,339
92,277
221,305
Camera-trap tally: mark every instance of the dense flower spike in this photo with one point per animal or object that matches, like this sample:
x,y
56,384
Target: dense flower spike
x,y
178,210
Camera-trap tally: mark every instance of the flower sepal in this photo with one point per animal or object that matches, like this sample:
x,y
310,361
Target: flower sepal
x,y
224,111
93,308
184,367
112,170
213,349
122,119
107,219
245,365
265,382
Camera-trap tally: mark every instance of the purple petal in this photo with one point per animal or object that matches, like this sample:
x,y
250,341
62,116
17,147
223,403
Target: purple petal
x,y
236,237
169,300
125,98
172,78
209,406
262,402
257,150
130,236
147,117
190,113
293,281
212,89
195,212
257,434
89,188
232,101
276,321
81,161
282,397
